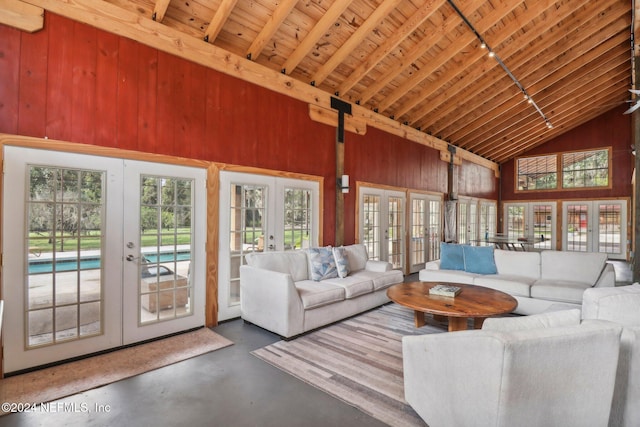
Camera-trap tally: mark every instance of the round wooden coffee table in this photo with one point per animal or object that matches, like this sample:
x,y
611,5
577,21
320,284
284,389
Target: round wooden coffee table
x,y
475,302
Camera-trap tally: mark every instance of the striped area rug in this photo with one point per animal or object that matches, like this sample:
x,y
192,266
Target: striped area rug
x,y
358,360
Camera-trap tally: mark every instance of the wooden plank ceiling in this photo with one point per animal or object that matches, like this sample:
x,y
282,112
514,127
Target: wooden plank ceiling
x,y
421,63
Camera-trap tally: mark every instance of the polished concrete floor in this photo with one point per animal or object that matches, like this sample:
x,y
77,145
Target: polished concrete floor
x,y
228,387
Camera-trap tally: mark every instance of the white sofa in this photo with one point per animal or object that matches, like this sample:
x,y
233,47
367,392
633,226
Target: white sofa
x,y
540,370
278,293
622,306
537,280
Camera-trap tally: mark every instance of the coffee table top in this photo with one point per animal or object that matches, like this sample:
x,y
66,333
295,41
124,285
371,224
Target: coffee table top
x,y
472,301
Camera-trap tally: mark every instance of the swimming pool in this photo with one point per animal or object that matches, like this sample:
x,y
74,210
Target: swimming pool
x,y
41,266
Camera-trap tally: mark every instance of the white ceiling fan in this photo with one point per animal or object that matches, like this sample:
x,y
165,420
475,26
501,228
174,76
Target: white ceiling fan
x,y
635,106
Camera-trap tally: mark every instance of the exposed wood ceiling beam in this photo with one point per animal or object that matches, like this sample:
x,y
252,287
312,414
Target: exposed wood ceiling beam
x,y
21,15
219,19
125,23
506,34
480,81
450,22
356,38
282,11
572,69
307,44
160,9
462,42
415,20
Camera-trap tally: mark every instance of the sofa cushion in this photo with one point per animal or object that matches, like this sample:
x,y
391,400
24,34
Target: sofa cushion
x,y
479,259
354,286
513,285
534,321
322,265
516,263
451,256
381,280
294,263
559,290
572,266
316,294
450,276
342,262
357,256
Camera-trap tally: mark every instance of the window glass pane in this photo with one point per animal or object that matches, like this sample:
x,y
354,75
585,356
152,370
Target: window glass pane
x,y
537,173
585,169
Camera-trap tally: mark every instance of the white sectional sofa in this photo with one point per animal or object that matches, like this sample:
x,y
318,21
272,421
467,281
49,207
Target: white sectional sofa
x,y
537,280
279,293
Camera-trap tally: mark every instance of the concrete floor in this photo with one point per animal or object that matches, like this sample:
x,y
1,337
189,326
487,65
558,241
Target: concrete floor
x,y
228,387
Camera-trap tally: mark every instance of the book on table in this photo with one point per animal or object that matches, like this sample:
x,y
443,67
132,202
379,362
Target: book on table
x,y
445,290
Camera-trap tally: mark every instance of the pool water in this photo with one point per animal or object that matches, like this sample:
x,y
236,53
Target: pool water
x,y
92,263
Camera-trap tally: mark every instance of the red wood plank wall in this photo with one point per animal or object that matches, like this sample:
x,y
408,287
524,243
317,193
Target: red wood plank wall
x,y
610,129
75,83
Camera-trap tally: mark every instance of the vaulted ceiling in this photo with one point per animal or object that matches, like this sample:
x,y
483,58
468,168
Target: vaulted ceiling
x,y
548,66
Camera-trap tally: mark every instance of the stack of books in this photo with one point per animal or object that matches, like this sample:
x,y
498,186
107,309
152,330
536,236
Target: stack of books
x,y
445,290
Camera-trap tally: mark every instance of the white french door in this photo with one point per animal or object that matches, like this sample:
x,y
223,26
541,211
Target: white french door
x,y
382,228
595,226
467,221
68,287
261,213
426,229
531,220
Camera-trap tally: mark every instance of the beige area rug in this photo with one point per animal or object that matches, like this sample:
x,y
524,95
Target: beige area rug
x,y
358,361
56,382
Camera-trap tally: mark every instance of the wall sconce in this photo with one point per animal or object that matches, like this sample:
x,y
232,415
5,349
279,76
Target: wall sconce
x,y
343,183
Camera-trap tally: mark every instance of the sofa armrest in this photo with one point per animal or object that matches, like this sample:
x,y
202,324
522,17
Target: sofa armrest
x,y
270,300
378,266
607,277
432,265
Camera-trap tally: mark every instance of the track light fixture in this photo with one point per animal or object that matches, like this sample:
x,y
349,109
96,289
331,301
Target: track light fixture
x,y
492,54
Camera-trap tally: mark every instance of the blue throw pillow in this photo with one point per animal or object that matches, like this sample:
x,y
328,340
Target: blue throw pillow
x,y
451,256
479,259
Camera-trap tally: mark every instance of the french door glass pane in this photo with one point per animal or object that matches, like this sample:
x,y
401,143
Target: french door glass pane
x,y
165,241
473,222
396,246
418,214
515,222
435,216
64,240
247,230
297,218
577,227
462,223
371,212
542,226
609,220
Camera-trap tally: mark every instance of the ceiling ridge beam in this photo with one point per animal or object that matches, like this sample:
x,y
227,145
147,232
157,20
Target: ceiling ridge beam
x,y
353,41
124,23
307,44
471,82
266,34
382,51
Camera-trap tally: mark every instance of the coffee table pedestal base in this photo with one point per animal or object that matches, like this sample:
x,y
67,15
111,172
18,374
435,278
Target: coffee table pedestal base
x,y
455,323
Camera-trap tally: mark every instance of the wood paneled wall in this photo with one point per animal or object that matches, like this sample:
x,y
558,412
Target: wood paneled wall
x,y
75,83
610,129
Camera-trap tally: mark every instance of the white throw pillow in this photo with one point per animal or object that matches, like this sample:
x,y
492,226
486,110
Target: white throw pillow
x,y
342,261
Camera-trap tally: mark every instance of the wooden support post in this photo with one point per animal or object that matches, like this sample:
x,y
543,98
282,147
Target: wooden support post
x,y
343,108
635,245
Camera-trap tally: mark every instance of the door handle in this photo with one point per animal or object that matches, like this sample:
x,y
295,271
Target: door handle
x,y
130,257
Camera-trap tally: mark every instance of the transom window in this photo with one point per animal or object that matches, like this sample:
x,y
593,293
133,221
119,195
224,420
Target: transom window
x,y
564,171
